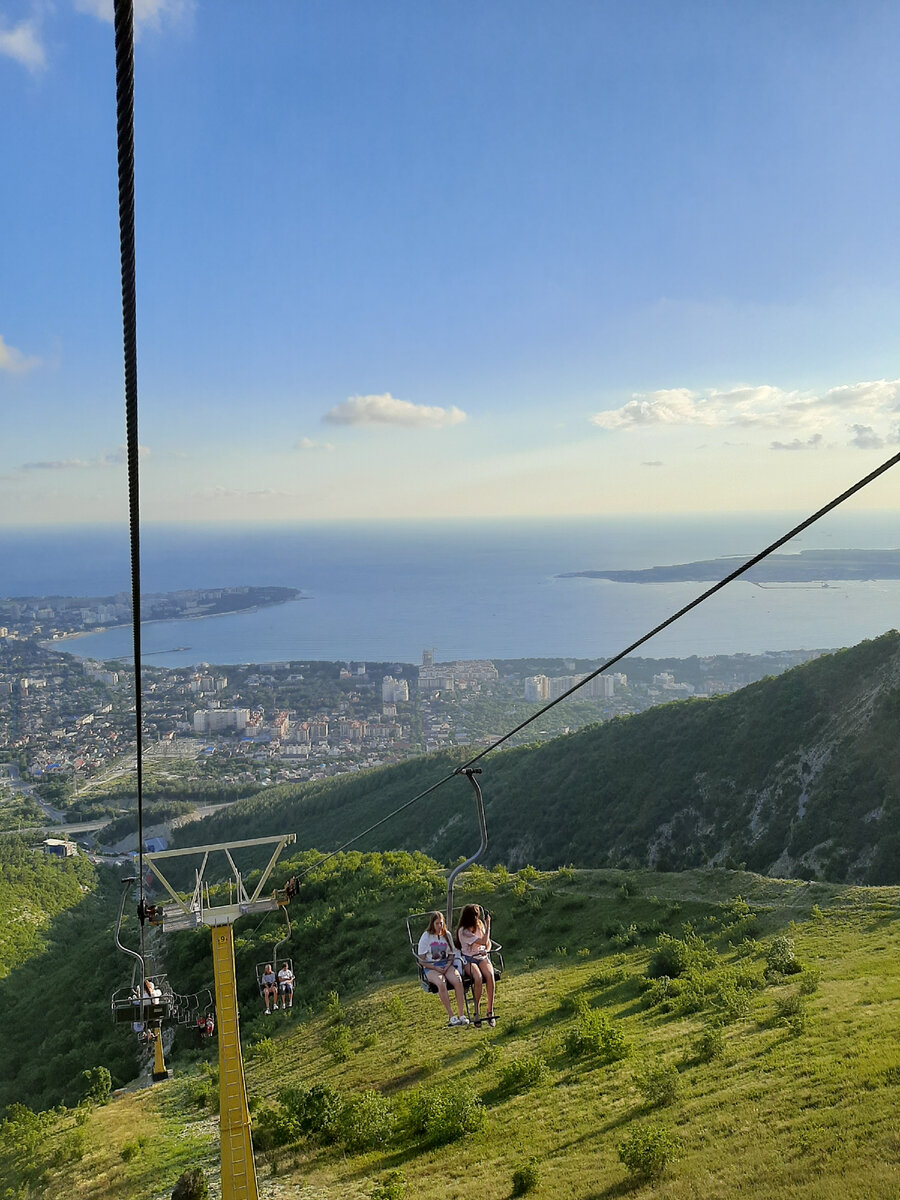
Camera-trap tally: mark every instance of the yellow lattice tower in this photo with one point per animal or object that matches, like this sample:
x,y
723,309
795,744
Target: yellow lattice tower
x,y
238,1167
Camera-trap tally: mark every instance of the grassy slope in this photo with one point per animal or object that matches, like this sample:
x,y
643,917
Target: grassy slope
x,y
781,1115
802,761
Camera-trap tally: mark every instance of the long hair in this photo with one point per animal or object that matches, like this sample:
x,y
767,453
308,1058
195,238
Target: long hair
x,y
470,919
435,916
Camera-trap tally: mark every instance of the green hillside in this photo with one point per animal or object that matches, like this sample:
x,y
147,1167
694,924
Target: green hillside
x,y
793,776
742,1029
34,888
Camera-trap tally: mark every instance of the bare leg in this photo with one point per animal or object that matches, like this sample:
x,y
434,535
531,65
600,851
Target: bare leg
x,y
456,983
476,986
487,971
440,983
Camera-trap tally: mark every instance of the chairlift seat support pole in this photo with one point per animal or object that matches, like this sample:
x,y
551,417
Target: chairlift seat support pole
x,y
470,773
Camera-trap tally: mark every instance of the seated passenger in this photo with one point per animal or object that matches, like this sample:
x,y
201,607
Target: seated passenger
x,y
269,985
473,937
286,986
435,954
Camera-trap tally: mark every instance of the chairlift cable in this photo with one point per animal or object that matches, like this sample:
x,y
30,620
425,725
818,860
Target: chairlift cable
x,y
698,600
124,34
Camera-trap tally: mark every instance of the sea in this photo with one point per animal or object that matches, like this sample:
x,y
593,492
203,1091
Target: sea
x,y
386,591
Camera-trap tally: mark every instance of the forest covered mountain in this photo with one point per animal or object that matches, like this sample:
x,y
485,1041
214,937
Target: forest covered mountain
x,y
795,776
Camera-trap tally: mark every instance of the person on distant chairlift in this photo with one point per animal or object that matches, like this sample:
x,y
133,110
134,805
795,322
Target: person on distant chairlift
x,y
435,954
210,1025
269,983
473,936
286,986
152,991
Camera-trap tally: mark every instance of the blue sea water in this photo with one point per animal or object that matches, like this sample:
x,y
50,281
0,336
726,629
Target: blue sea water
x,y
386,591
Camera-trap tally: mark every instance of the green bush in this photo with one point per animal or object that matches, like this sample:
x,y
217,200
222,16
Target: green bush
x,y
334,1009
647,1152
315,1109
366,1121
96,1085
191,1186
595,1034
392,1187
781,957
132,1149
395,1008
809,982
446,1112
673,956
489,1055
710,1044
520,1074
337,1042
658,1083
274,1127
525,1179
263,1050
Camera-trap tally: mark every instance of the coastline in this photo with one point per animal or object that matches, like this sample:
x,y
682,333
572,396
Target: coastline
x,y
55,643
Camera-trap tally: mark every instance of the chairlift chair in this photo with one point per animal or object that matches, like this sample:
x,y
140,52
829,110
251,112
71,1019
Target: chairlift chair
x,y
420,920
277,962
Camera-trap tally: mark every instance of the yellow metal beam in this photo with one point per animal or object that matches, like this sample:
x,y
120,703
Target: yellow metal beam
x,y
238,1166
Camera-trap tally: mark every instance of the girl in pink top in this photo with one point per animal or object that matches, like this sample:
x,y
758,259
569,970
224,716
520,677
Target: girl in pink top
x,y
473,937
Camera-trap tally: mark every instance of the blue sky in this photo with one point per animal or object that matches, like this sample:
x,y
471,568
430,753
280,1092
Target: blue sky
x,y
460,259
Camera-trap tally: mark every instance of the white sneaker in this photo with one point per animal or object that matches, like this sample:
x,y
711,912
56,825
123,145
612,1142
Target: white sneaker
x,y
455,1021
462,1020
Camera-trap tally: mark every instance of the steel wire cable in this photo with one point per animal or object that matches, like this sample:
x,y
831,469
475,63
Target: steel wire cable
x,y
124,40
611,662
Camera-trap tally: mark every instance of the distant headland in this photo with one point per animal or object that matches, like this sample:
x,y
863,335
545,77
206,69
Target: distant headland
x,y
806,567
57,618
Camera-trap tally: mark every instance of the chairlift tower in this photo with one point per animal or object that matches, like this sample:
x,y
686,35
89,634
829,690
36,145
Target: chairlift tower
x,y
238,1168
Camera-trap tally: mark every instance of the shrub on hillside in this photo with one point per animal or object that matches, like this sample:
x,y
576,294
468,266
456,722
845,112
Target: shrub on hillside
x,y
781,957
525,1179
96,1085
337,1042
658,1083
366,1121
673,956
520,1074
447,1112
392,1187
274,1127
315,1110
647,1152
710,1044
595,1034
191,1186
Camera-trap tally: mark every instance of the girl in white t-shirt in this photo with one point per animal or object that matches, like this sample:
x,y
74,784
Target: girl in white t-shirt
x,y
435,954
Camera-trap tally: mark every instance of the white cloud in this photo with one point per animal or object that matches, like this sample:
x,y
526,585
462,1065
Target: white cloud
x,y
880,394
223,493
23,44
58,464
120,455
813,443
111,458
14,360
865,438
148,14
306,443
385,410
762,406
